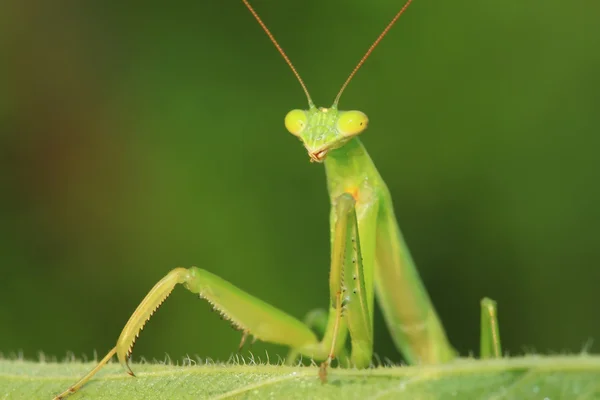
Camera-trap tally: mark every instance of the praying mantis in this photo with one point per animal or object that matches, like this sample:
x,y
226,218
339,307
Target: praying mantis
x,y
368,258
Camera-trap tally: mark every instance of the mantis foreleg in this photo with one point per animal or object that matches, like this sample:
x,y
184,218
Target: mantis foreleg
x,y
316,320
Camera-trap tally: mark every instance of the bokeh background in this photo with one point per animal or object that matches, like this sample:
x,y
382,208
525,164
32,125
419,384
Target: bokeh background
x,y
137,138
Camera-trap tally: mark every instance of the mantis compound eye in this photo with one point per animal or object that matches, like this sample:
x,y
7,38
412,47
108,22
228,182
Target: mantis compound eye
x,y
295,121
351,123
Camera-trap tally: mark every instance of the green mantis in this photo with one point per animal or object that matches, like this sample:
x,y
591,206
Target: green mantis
x,y
368,258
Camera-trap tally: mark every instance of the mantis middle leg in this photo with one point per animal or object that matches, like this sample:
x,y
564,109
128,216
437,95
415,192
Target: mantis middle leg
x,y
348,311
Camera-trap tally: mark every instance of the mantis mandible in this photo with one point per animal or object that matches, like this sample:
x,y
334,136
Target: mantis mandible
x,y
368,257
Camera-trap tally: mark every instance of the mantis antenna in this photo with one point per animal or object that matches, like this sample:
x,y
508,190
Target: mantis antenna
x,y
285,57
360,63
368,53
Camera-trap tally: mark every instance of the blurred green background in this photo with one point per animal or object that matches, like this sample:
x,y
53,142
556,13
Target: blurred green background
x,y
137,138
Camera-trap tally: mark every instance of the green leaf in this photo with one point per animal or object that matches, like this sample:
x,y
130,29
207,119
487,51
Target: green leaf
x,y
529,377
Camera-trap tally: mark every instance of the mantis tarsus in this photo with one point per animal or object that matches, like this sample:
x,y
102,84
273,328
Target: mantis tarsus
x,y
368,257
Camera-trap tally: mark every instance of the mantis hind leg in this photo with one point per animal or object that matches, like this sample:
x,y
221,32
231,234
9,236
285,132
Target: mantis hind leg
x,y
490,332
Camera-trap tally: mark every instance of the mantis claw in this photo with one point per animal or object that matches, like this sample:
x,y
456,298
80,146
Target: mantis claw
x,y
323,371
127,368
243,341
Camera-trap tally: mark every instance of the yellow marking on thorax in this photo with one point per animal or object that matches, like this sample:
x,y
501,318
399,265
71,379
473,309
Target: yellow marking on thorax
x,y
353,191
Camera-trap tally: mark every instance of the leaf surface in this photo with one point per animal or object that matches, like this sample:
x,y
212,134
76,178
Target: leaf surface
x,y
529,377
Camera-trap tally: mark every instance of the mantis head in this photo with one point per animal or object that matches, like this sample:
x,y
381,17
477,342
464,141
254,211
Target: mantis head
x,y
324,129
